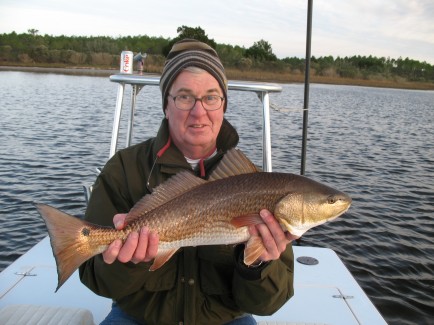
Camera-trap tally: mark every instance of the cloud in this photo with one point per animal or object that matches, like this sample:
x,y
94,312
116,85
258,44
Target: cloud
x,y
379,28
340,28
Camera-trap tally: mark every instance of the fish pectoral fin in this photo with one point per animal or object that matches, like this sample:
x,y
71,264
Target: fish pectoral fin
x,y
246,220
254,249
162,257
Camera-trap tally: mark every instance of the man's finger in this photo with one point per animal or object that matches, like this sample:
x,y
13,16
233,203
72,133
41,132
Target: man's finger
x,y
119,220
152,246
275,230
129,247
112,252
142,246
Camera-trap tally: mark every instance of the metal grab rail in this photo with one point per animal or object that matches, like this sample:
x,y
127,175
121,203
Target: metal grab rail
x,y
139,81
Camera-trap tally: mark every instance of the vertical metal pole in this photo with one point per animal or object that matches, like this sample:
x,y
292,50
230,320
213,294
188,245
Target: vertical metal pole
x,y
134,92
306,86
266,136
116,119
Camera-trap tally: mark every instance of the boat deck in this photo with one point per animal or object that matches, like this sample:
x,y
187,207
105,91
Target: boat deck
x,y
325,293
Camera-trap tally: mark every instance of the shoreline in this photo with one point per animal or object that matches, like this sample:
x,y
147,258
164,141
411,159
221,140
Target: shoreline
x,y
69,71
251,76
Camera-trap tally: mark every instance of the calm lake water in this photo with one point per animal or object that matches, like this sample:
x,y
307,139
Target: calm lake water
x,y
375,144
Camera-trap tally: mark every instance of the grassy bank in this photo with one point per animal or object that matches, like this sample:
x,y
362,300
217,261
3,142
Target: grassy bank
x,y
299,78
233,74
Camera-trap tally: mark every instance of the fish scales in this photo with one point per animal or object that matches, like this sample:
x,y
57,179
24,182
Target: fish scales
x,y
189,211
211,205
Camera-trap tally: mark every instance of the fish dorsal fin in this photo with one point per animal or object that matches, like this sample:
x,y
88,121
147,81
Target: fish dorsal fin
x,y
233,163
176,185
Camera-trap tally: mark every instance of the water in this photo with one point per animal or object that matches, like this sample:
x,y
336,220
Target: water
x,y
375,144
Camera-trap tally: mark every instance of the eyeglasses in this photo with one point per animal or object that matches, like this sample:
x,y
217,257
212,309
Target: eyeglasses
x,y
187,102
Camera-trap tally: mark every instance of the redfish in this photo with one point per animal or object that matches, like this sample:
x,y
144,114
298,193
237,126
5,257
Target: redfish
x,y
189,211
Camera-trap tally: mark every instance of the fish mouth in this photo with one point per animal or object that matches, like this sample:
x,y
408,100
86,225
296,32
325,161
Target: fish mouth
x,y
339,213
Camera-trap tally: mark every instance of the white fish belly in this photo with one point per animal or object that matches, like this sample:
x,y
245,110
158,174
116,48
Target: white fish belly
x,y
214,236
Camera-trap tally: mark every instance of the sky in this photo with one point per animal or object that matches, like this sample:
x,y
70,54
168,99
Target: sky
x,y
381,28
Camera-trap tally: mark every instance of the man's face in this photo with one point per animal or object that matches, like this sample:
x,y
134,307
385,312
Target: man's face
x,y
194,132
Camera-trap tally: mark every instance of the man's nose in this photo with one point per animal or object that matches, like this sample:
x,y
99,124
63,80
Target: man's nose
x,y
198,107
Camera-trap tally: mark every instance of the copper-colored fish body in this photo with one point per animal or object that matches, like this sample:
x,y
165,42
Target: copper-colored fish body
x,y
189,211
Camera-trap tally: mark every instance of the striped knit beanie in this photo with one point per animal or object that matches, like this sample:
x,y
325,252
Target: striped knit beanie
x,y
191,53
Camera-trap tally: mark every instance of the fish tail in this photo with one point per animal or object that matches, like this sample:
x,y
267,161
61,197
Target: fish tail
x,y
69,237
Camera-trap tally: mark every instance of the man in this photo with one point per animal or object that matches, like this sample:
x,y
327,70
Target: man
x,y
198,285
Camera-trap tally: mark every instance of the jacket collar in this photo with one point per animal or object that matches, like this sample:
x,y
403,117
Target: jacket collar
x,y
172,158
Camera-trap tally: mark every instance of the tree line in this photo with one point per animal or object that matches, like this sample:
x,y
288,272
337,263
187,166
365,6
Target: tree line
x,y
102,51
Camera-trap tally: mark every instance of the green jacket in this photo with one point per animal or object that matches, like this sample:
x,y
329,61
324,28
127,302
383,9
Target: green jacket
x,y
198,285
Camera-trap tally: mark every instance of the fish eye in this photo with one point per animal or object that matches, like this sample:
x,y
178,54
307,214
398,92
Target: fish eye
x,y
332,199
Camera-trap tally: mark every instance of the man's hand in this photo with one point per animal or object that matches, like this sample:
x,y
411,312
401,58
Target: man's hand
x,y
139,247
274,238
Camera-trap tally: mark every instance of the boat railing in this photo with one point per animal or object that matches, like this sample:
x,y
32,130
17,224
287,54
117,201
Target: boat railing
x,y
137,82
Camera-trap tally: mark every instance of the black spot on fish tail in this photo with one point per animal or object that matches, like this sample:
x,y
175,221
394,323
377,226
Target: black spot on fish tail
x,y
85,232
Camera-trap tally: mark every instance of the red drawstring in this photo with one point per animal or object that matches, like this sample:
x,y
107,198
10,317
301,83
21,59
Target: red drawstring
x,y
202,168
201,161
166,146
201,164
159,154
